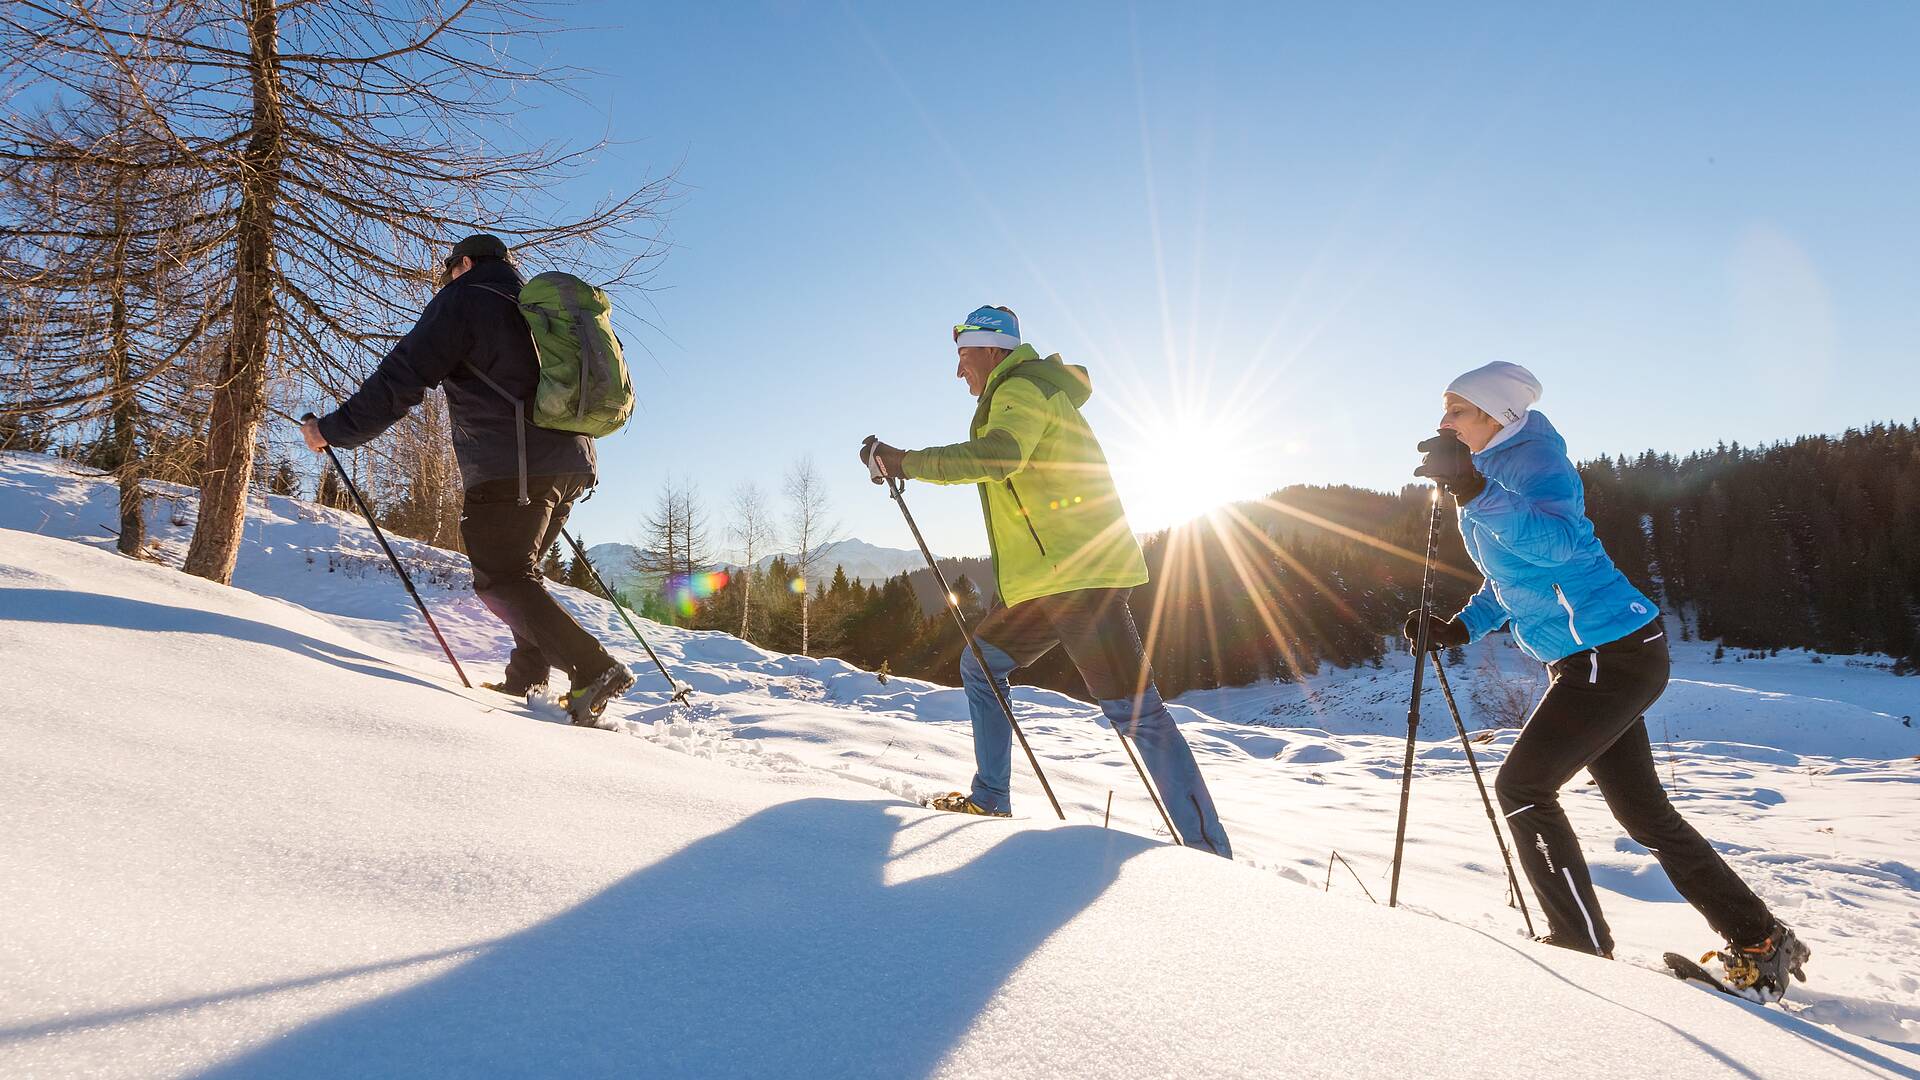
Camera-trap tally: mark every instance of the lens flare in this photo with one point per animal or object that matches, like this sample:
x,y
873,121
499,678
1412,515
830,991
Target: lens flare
x,y
685,591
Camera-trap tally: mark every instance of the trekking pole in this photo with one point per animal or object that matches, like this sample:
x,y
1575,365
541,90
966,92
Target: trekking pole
x,y
1152,792
1413,707
1499,835
680,690
896,488
405,579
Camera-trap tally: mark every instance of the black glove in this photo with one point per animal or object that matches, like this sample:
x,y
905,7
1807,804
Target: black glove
x,y
881,460
1449,463
1441,633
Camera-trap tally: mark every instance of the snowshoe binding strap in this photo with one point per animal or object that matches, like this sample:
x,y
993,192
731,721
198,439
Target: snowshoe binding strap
x,y
1764,968
1742,972
955,802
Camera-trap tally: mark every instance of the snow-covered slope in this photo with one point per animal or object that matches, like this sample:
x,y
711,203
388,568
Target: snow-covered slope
x,y
1802,702
260,831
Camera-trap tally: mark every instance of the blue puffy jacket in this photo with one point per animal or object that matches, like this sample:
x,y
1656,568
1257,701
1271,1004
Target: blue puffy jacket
x,y
1546,572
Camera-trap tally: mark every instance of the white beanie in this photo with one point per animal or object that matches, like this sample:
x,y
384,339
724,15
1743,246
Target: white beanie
x,y
1503,391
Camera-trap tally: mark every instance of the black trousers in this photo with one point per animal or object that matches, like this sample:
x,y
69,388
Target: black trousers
x,y
505,542
1592,717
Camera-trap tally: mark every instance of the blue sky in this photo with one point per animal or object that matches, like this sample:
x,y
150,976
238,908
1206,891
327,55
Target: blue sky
x,y
1273,234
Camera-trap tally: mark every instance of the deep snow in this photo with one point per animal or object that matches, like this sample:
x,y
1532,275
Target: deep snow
x,y
260,831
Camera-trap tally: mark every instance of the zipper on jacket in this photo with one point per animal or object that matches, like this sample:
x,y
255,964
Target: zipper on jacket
x,y
1568,604
1024,516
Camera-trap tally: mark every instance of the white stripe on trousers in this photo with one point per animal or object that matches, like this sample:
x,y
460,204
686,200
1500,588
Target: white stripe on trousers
x,y
1591,936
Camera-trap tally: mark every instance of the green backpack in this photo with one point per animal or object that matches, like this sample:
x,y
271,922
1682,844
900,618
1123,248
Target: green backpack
x,y
584,386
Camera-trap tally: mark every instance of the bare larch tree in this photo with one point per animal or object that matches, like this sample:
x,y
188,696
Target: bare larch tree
x,y
339,146
104,318
675,532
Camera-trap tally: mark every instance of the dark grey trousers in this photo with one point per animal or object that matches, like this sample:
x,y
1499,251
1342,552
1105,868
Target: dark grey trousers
x,y
505,542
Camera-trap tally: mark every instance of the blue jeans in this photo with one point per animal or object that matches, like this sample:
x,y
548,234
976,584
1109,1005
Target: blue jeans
x,y
1097,629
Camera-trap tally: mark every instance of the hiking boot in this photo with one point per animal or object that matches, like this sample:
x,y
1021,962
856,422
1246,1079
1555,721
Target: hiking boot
x,y
1760,970
586,703
956,803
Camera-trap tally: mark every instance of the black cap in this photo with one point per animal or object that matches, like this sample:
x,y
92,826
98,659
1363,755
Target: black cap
x,y
480,246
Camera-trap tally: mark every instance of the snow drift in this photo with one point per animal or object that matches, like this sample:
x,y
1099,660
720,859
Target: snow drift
x,y
250,837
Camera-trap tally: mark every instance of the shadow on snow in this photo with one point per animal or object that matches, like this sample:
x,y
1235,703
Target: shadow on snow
x,y
773,948
124,613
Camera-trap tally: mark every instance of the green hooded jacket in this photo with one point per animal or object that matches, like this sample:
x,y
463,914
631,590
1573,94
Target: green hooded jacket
x,y
1054,522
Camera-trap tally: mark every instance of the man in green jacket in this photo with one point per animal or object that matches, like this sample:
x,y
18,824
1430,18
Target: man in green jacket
x,y
1064,559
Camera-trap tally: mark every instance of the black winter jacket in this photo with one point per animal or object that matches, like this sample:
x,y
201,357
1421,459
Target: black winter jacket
x,y
463,325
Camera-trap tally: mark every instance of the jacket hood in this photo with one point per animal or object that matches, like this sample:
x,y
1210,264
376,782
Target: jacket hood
x,y
496,272
1069,379
1535,429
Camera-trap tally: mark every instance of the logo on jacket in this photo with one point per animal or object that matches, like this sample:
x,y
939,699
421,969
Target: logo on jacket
x,y
1637,608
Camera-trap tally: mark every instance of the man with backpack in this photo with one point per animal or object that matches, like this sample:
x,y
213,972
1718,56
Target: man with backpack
x,y
1065,562
521,476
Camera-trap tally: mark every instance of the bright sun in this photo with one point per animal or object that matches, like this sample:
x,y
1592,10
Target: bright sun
x,y
1191,440
1182,465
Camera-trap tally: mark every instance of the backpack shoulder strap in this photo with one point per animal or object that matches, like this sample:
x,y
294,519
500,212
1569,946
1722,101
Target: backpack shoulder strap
x,y
501,293
519,407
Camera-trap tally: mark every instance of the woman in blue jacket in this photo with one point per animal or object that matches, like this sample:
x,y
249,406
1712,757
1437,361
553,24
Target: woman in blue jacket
x,y
1522,514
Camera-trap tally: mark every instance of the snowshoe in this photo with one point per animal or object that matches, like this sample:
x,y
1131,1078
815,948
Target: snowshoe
x,y
1573,945
523,691
955,802
1759,972
1687,971
586,703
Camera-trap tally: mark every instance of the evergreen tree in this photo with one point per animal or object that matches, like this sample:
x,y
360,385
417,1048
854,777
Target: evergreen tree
x,y
1813,543
580,573
832,610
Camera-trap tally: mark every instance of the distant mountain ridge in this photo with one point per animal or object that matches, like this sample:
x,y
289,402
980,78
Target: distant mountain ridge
x,y
863,562
614,561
